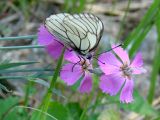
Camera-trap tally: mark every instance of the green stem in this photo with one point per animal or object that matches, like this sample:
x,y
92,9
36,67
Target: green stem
x,y
48,95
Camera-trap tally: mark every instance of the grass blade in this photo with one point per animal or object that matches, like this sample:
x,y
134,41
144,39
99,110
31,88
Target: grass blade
x,y
19,37
155,67
10,65
21,47
137,36
26,70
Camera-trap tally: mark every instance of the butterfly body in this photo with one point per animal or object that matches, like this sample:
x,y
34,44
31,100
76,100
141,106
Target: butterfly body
x,y
80,32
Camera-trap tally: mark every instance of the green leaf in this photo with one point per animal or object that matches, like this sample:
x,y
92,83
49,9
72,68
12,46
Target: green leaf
x,y
7,104
74,110
10,65
59,111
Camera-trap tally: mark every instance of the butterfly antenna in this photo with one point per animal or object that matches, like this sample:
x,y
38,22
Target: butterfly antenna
x,y
76,63
98,60
111,49
106,51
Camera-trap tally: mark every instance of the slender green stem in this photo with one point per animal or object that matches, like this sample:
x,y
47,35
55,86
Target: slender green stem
x,y
123,20
48,95
19,37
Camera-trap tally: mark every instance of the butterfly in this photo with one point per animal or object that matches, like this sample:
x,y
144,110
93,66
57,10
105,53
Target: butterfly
x,y
80,32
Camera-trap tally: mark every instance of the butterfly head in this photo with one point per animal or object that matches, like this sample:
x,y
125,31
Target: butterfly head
x,y
89,56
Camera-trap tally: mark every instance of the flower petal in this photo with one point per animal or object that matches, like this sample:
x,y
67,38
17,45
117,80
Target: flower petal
x,y
109,69
54,49
138,70
138,61
44,37
109,58
127,91
71,56
122,54
69,74
108,63
111,84
86,84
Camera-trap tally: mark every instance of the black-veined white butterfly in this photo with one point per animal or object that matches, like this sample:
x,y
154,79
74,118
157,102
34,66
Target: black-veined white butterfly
x,y
81,32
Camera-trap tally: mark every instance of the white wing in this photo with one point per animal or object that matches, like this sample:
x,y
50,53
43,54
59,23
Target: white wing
x,y
82,32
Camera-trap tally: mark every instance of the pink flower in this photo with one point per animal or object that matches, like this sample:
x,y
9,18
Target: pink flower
x,y
73,71
118,72
51,43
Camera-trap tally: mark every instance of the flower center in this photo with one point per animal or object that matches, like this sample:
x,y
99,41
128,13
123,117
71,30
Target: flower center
x,y
84,64
127,71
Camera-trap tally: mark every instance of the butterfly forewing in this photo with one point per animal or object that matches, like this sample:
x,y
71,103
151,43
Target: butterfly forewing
x,y
81,32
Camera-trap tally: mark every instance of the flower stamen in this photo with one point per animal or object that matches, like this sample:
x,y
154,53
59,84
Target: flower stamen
x,y
126,70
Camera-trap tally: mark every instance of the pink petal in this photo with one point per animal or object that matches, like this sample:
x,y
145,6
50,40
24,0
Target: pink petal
x,y
111,84
122,54
71,56
54,49
138,61
69,76
44,37
86,84
127,91
138,70
109,58
109,69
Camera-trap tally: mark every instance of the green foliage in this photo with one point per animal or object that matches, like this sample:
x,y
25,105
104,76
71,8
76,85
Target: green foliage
x,y
74,110
59,111
135,38
7,113
74,6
